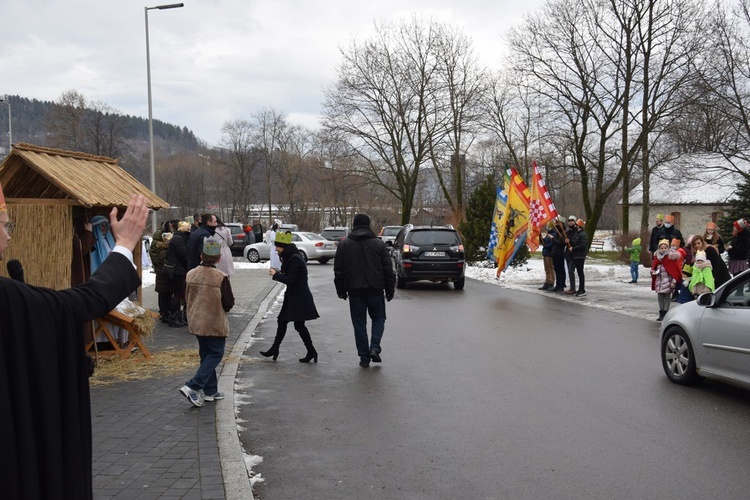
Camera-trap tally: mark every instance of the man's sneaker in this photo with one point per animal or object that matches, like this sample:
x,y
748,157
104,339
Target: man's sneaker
x,y
211,397
375,356
192,396
581,293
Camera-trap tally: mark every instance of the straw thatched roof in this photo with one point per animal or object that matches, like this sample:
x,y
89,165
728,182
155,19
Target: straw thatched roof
x,y
35,172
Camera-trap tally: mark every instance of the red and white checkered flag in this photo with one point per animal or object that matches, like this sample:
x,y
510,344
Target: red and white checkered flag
x,y
541,209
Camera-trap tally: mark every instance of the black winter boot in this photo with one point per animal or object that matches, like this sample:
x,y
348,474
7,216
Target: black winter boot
x,y
274,350
662,313
174,320
312,354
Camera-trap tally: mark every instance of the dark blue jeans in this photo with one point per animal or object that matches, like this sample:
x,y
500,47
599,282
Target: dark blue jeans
x,y
211,350
558,261
359,307
634,270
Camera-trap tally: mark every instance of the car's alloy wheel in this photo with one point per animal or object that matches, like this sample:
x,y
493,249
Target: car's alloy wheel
x,y
253,255
678,358
304,255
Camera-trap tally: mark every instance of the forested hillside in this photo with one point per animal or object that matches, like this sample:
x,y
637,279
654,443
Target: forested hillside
x,y
29,124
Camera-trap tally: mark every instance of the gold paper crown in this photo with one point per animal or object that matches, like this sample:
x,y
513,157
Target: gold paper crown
x,y
3,207
284,238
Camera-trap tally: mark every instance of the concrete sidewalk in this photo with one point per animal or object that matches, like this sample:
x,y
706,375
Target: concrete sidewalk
x,y
149,442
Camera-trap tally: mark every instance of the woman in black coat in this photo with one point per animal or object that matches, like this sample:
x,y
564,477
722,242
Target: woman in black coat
x,y
738,248
177,258
158,254
298,305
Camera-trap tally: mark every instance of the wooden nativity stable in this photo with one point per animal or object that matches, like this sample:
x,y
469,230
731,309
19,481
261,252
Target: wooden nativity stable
x,y
45,190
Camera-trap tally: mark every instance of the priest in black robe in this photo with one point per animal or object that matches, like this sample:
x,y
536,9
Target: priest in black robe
x,y
45,416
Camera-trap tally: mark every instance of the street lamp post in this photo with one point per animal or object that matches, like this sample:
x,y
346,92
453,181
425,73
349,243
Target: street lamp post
x,y
6,100
150,113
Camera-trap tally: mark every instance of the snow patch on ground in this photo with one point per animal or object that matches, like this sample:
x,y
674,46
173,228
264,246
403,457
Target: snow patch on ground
x,y
250,462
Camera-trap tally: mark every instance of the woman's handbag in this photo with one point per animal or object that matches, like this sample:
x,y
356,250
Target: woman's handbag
x,y
168,270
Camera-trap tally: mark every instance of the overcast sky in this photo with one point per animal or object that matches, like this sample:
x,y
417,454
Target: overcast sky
x,y
212,60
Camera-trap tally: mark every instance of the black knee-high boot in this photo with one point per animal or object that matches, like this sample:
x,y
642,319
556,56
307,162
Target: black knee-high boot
x,y
304,334
280,333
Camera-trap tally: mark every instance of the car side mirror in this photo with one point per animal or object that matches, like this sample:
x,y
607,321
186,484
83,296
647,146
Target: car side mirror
x,y
706,299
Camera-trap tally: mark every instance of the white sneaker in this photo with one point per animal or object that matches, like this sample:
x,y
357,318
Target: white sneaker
x,y
192,396
210,397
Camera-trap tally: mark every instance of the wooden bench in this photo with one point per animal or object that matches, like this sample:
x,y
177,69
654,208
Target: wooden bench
x,y
597,245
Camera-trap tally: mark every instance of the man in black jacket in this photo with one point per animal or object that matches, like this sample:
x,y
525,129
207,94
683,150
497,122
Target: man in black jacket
x,y
363,272
195,243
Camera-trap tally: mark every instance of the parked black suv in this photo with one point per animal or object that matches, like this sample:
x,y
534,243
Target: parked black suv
x,y
433,253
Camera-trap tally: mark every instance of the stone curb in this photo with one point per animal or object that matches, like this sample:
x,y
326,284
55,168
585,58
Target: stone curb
x,y
237,485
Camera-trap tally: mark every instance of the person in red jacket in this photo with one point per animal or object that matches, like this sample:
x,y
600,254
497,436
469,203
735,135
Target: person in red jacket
x,y
666,273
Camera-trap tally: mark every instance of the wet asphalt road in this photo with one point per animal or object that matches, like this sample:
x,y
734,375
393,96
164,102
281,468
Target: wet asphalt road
x,y
486,393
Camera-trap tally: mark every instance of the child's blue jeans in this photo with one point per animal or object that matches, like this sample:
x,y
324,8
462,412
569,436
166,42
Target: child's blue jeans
x,y
634,270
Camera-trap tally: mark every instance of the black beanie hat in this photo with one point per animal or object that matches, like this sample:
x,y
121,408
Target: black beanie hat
x,y
361,220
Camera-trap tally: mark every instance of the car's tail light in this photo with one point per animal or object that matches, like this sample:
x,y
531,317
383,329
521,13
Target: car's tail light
x,y
319,244
410,248
459,248
240,236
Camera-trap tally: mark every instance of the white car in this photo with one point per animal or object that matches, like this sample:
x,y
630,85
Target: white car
x,y
312,247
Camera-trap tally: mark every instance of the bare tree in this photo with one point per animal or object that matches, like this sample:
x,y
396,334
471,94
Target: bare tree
x,y
269,126
293,168
515,116
106,131
64,123
727,77
606,70
564,56
184,180
386,104
462,92
94,128
239,163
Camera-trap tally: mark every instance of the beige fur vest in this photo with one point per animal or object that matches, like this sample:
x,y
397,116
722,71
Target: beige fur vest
x,y
206,317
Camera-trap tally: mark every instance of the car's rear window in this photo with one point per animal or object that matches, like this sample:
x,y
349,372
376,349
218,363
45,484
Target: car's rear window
x,y
434,238
235,229
334,232
391,231
313,236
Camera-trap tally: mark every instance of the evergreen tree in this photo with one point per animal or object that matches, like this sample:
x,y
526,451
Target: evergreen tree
x,y
739,209
476,227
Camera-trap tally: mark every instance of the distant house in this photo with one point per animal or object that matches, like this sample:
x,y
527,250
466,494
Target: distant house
x,y
694,188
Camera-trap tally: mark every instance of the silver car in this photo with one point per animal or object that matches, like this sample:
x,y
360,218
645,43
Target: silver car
x,y
388,233
312,246
710,337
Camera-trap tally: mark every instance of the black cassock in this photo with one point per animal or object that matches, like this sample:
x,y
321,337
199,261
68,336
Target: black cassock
x,y
45,412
